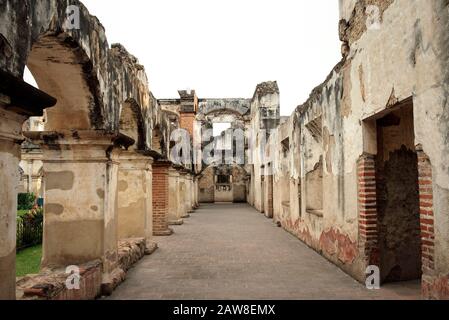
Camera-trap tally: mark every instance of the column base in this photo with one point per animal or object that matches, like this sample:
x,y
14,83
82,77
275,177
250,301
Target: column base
x,y
151,247
191,211
111,281
176,222
164,233
185,216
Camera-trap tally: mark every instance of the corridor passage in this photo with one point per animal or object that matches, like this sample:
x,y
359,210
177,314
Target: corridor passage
x,y
230,251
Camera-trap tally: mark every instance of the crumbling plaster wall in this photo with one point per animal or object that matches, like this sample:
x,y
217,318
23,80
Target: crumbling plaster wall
x,y
206,186
406,57
417,67
265,114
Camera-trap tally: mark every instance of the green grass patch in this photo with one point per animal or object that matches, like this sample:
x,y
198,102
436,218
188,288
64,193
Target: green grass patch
x,y
28,261
21,213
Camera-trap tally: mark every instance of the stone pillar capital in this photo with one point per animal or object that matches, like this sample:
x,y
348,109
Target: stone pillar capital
x,y
11,126
132,160
77,145
172,172
73,137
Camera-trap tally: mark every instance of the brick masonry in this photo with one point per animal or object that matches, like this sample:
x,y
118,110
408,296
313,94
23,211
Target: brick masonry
x,y
434,286
426,211
160,199
186,122
367,199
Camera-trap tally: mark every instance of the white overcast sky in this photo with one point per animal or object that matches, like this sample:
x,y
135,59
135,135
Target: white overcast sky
x,y
224,48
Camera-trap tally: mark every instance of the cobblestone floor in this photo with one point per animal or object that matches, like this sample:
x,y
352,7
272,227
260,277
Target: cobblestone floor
x,y
230,251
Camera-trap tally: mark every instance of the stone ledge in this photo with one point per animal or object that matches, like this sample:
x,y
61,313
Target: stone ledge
x,y
176,222
164,233
130,251
151,248
50,284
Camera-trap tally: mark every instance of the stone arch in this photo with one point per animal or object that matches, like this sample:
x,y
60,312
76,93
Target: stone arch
x,y
66,61
238,107
224,112
62,69
131,123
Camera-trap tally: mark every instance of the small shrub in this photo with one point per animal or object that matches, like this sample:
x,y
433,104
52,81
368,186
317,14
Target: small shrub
x,y
30,228
35,215
26,201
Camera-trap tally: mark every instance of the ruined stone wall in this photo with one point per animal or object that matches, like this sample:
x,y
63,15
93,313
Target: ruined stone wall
x,y
206,186
265,114
238,184
103,106
406,57
417,68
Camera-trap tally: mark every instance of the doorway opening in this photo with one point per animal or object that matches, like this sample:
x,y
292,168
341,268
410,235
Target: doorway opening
x,y
397,188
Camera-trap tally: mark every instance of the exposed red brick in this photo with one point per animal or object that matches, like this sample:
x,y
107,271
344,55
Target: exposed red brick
x,y
333,242
367,199
160,198
435,287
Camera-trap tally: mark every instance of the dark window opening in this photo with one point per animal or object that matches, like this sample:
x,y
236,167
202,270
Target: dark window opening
x,y
223,179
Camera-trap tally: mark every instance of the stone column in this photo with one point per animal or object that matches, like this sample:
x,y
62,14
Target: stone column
x,y
174,215
189,205
18,101
160,198
135,207
195,193
192,192
182,195
10,138
80,225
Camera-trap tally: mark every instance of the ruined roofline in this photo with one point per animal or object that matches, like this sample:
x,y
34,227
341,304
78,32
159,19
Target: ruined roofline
x,y
317,91
169,101
178,100
265,88
123,53
223,99
352,30
348,33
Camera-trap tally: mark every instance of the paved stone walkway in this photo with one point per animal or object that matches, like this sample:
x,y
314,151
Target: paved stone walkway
x,y
230,251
